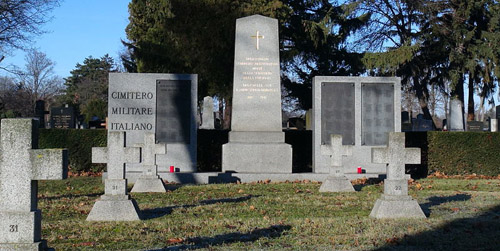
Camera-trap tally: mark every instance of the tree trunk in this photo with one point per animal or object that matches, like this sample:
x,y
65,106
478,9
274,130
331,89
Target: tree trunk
x,y
470,105
422,100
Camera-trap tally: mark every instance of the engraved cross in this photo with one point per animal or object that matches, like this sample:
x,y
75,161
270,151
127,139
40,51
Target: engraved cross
x,y
257,37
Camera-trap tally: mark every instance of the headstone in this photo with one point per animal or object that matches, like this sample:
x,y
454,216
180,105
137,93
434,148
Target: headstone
x,y
115,204
456,118
165,104
337,181
395,202
256,141
21,167
149,181
421,125
207,114
363,110
475,126
62,117
406,125
494,125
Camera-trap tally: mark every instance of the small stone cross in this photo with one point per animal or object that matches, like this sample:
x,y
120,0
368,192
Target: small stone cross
x,y
22,165
149,181
395,202
257,37
395,155
336,181
115,204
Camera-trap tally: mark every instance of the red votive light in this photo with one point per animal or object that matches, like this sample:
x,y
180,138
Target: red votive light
x,y
359,170
172,169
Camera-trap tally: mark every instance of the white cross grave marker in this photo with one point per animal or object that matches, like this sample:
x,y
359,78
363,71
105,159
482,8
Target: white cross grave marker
x,y
395,202
149,181
336,181
115,204
22,165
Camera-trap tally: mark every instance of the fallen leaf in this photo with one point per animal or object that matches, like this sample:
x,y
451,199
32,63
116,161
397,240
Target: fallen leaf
x,y
455,209
174,240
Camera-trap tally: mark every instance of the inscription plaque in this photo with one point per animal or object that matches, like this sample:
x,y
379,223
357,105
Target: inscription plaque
x,y
377,113
173,111
337,112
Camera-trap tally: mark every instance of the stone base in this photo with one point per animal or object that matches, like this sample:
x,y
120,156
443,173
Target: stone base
x,y
148,184
20,227
257,157
41,245
336,184
114,208
390,207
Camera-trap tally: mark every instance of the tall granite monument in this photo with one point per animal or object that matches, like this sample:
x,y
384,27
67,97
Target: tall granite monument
x,y
256,141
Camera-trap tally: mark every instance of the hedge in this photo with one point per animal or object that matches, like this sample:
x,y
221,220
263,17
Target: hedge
x,y
79,144
447,152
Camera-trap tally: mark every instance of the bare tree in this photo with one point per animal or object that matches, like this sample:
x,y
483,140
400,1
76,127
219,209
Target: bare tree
x,y
37,80
21,20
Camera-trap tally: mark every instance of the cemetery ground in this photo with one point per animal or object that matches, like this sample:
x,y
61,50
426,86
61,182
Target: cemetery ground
x,y
463,213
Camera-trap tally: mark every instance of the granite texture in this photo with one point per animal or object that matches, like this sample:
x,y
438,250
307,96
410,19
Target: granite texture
x,y
22,165
115,204
395,202
207,114
360,153
336,181
256,142
141,92
149,181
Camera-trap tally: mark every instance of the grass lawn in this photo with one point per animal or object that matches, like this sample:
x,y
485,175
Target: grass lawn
x,y
463,214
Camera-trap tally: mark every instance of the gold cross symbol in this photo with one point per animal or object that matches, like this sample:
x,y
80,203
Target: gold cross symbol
x,y
257,36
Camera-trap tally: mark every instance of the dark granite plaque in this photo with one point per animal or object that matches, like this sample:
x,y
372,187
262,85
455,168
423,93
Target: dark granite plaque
x,y
62,117
498,112
475,126
337,112
173,111
377,113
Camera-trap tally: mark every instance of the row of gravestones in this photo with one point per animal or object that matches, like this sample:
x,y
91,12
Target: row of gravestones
x,y
22,165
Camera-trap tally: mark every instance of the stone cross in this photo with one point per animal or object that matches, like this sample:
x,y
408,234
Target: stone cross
x,y
22,165
115,204
336,181
149,181
395,202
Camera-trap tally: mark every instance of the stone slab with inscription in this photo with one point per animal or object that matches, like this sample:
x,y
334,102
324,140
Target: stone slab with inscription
x,y
115,204
363,110
22,165
256,141
62,117
395,202
164,104
456,117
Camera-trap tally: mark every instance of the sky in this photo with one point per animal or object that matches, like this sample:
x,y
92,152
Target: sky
x,y
79,29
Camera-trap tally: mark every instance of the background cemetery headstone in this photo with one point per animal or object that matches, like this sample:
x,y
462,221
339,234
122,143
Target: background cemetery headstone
x,y
62,117
361,109
494,125
456,117
22,165
165,104
207,113
336,181
256,141
149,181
475,126
395,202
40,113
419,124
115,204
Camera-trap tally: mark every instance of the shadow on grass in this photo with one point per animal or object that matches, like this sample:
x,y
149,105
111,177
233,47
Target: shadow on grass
x,y
438,200
274,231
477,233
57,197
148,214
368,182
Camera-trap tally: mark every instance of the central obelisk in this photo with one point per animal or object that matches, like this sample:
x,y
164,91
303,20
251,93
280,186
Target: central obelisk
x,y
256,141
